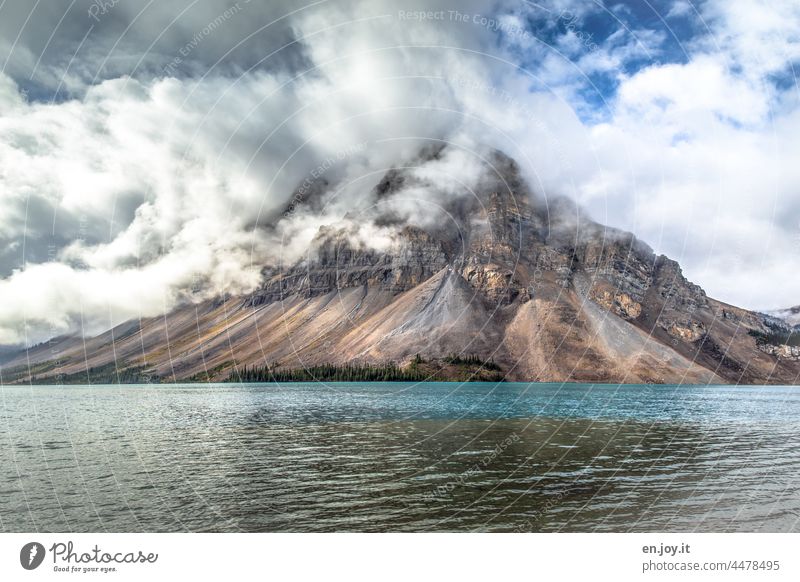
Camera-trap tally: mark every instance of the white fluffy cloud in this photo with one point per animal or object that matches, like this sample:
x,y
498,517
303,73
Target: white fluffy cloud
x,y
149,191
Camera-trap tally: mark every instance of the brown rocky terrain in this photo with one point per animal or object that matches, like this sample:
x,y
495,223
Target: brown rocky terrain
x,y
499,273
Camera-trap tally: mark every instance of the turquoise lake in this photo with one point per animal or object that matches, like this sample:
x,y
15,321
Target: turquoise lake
x,y
399,457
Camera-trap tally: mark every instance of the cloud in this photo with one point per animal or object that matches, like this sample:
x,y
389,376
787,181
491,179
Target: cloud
x,y
171,180
680,8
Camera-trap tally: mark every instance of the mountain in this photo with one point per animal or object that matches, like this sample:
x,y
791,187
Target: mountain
x,y
496,275
790,316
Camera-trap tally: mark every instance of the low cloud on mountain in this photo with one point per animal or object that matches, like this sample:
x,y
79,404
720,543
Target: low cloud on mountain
x,y
149,153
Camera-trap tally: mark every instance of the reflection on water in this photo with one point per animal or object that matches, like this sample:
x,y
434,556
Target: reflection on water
x,y
394,457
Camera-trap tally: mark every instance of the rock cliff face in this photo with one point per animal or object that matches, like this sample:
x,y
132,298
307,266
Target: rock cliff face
x,y
497,273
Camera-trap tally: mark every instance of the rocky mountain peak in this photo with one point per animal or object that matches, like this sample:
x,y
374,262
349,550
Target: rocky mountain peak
x,y
447,258
497,234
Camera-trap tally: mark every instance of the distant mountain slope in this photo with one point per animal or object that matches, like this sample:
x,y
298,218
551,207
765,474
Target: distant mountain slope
x,y
790,316
498,273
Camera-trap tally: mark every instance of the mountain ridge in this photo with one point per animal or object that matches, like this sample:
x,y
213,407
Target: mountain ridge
x,y
497,273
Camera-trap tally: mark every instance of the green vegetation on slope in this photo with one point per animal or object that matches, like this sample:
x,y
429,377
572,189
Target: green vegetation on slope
x,y
452,368
776,337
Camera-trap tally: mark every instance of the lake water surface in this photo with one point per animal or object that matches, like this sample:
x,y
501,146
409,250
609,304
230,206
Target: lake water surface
x,y
399,457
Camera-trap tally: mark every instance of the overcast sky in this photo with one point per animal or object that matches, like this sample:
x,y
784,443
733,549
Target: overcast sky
x,y
142,142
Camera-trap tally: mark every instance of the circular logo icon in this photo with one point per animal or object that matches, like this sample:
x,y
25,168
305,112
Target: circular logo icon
x,y
31,555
